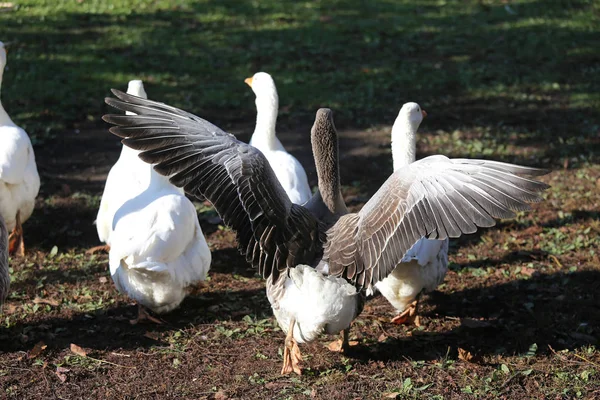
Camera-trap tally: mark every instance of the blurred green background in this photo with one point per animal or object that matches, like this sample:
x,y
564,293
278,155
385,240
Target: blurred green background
x,y
525,70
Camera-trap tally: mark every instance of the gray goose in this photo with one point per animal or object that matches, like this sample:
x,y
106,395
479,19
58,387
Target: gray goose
x,y
322,269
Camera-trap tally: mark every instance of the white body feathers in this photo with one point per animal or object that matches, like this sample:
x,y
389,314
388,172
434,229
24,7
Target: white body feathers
x,y
318,303
422,268
157,248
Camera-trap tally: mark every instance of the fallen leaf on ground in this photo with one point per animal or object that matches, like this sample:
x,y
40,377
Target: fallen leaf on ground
x,y
10,308
392,395
382,338
466,355
220,395
60,373
37,349
78,350
50,302
527,271
337,345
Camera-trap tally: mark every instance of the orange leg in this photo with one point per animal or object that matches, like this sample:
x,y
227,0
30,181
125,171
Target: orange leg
x,y
291,353
16,244
408,316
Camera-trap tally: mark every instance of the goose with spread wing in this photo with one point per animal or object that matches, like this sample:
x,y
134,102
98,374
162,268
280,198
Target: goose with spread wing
x,y
157,248
326,261
19,178
425,265
287,168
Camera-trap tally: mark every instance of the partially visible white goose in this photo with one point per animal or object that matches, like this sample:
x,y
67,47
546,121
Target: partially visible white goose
x,y
157,248
318,266
125,180
19,179
288,169
4,275
425,265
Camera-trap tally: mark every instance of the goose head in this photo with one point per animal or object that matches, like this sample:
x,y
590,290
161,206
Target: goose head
x,y
404,132
267,103
264,88
413,114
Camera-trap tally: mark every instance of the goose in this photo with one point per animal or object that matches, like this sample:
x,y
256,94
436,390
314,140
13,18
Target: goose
x,y
425,265
4,275
319,260
157,248
19,179
287,168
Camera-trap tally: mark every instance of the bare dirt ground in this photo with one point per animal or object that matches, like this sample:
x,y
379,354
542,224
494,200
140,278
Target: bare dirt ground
x,y
518,315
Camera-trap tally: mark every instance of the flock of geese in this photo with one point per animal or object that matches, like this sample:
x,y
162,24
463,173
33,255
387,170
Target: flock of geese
x,y
320,261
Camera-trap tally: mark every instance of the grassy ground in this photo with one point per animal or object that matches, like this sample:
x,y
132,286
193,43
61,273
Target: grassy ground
x,y
508,80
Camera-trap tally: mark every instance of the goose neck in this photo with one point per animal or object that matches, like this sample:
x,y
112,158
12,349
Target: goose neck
x,y
325,150
404,146
4,117
266,119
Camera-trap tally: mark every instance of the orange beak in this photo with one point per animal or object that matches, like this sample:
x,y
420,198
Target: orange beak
x,y
424,113
248,81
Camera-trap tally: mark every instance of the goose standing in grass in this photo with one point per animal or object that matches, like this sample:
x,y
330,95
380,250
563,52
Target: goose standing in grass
x,y
157,248
318,266
19,179
287,168
4,276
425,265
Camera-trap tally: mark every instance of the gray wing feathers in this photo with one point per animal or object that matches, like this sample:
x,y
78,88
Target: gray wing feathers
x,y
235,177
435,197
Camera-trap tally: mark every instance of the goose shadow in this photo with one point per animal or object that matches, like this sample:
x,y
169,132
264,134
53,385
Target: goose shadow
x,y
110,329
558,310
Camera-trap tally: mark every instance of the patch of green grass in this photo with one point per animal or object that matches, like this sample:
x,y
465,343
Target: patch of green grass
x,y
471,63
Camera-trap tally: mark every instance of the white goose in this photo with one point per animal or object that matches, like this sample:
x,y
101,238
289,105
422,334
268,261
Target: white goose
x,y
425,265
287,168
19,179
157,248
318,266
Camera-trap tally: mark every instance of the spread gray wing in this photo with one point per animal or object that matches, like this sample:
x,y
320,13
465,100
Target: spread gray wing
x,y
435,197
235,177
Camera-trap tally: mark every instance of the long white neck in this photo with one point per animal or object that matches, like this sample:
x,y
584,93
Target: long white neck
x,y
266,119
404,144
4,118
156,181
